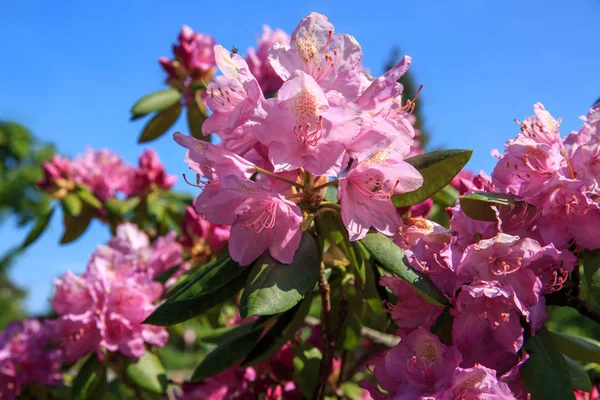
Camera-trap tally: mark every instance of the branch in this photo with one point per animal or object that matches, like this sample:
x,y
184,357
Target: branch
x,y
584,309
326,334
385,339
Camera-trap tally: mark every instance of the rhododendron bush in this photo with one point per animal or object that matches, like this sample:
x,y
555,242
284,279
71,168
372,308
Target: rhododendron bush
x,y
322,253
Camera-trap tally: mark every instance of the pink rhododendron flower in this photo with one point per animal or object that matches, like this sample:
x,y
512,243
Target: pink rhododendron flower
x,y
194,55
303,127
593,395
260,219
486,326
150,174
104,308
504,258
419,366
384,120
258,61
200,237
431,249
411,310
365,192
25,358
477,382
103,172
58,177
231,97
331,59
210,161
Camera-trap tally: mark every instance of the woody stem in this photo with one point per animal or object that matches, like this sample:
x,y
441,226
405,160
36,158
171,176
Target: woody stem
x,y
275,176
326,335
330,183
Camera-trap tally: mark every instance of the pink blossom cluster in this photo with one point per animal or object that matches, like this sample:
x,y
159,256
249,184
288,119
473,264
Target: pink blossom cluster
x,y
193,56
199,237
103,308
105,174
25,358
277,154
495,274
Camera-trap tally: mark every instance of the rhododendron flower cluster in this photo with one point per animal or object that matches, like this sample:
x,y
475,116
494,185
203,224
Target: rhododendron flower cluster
x,y
104,308
322,125
26,358
495,274
105,174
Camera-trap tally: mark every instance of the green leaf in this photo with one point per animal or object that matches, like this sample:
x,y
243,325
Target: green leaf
x,y
156,101
74,227
545,374
479,205
591,270
578,348
273,287
195,119
226,354
331,194
221,335
579,377
39,227
212,278
160,123
284,329
392,258
88,197
72,204
352,391
148,373
306,369
438,168
121,207
174,312
90,382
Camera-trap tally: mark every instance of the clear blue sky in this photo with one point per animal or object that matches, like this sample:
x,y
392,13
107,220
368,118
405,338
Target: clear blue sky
x,y
71,70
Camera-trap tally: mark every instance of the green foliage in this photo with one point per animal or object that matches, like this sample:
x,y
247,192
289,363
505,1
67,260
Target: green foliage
x,y
438,168
148,373
90,382
273,287
156,102
160,123
392,258
479,205
546,373
306,368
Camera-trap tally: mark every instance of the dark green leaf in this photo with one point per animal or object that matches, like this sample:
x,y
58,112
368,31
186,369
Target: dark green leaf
x,y
156,101
273,287
545,374
88,197
171,313
591,269
74,227
221,335
284,329
479,205
38,228
225,355
212,278
438,168
148,373
160,123
72,204
121,207
306,369
90,382
195,119
579,377
578,348
392,259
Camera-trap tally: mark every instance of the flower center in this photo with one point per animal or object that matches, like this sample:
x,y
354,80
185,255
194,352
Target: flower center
x,y
309,123
259,218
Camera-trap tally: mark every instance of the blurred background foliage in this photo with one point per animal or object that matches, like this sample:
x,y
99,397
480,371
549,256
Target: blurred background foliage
x,y
21,155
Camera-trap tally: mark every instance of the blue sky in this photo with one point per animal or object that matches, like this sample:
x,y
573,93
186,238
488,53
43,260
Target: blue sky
x,y
72,69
